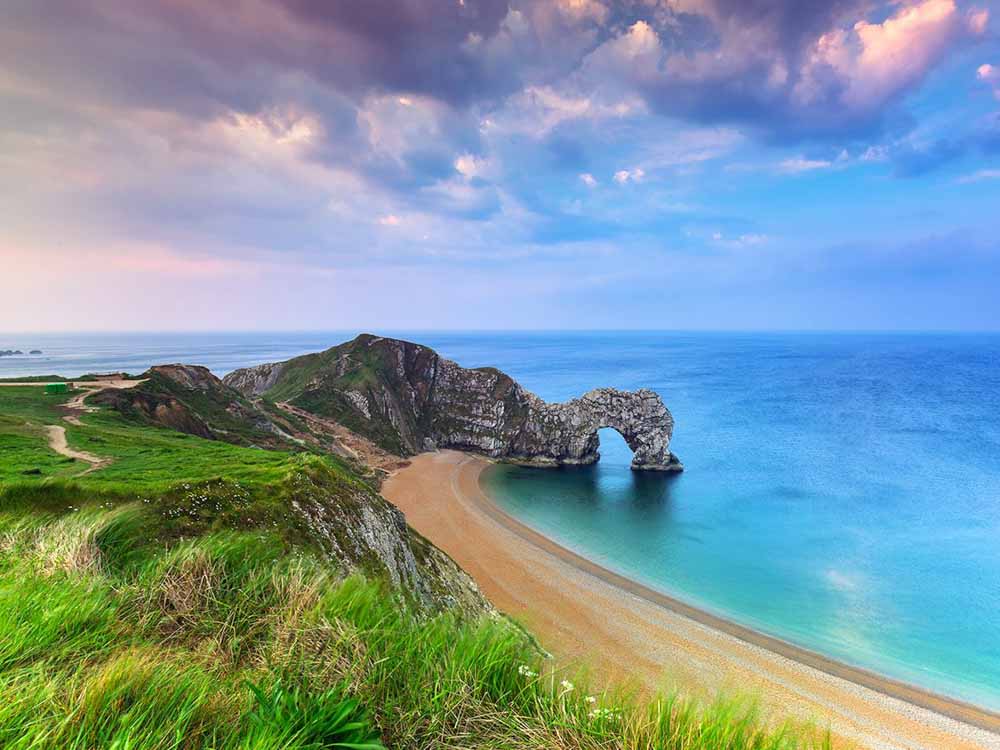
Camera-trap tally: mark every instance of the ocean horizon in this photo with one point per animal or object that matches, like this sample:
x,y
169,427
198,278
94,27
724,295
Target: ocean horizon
x,y
841,492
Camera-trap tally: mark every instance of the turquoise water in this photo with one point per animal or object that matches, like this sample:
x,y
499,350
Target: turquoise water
x,y
842,490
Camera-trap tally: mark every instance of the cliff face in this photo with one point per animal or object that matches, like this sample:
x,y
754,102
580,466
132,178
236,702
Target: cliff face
x,y
407,399
339,511
359,530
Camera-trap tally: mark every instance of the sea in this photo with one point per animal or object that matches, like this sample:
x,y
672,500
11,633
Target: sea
x,y
841,490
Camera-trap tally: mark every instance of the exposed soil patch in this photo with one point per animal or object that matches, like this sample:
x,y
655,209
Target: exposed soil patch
x,y
58,443
336,438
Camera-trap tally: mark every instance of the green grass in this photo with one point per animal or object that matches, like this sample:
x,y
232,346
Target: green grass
x,y
171,601
234,640
23,455
24,452
143,457
151,456
31,402
36,379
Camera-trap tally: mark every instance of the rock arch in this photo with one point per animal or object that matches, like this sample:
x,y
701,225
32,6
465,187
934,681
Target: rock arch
x,y
559,434
641,418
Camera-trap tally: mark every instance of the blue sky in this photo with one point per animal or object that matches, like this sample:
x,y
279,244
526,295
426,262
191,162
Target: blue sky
x,y
686,164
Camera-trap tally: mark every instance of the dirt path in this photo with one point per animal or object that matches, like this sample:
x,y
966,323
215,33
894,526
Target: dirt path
x,y
345,442
58,443
627,632
74,409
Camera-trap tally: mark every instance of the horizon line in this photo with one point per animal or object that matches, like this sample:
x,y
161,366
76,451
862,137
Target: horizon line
x,y
392,329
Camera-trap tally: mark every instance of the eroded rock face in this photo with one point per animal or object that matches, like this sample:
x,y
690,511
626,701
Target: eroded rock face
x,y
253,381
361,531
408,399
567,433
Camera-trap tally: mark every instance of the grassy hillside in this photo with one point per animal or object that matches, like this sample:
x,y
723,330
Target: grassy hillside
x,y
144,457
191,595
367,366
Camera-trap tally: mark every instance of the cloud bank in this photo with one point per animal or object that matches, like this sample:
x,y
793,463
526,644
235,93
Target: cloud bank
x,y
463,136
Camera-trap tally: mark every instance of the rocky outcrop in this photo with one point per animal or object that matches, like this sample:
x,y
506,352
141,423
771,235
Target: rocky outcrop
x,y
190,399
359,530
253,381
407,399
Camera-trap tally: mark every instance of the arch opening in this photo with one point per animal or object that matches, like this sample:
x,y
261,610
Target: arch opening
x,y
612,449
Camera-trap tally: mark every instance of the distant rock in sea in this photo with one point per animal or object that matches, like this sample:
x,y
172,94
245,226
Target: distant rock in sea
x,y
35,351
10,352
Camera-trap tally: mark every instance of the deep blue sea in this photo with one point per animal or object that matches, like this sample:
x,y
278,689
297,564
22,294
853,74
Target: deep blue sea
x,y
842,491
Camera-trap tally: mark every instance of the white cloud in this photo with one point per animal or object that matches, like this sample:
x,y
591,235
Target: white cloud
x,y
390,220
640,41
875,154
740,241
538,109
800,164
588,179
982,174
470,165
583,10
629,175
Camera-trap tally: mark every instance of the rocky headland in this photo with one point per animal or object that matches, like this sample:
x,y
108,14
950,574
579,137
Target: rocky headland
x,y
408,399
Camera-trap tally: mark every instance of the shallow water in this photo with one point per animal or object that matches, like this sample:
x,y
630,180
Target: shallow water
x,y
842,490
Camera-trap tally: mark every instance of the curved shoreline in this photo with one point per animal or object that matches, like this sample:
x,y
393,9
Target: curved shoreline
x,y
953,708
629,634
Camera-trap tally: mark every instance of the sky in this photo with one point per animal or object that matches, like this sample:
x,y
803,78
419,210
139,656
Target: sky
x,y
499,164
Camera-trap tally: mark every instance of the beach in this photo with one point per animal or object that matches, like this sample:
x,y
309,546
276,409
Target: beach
x,y
627,633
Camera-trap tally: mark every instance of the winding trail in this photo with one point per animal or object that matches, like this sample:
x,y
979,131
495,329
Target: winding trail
x,y
74,408
58,443
627,632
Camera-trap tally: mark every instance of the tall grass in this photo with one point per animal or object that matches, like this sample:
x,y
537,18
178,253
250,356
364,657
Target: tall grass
x,y
229,641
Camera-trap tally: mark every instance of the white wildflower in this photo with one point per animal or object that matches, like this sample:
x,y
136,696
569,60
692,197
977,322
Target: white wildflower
x,y
525,671
602,713
591,699
566,685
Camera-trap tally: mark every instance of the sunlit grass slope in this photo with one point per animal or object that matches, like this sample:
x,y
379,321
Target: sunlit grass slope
x,y
170,600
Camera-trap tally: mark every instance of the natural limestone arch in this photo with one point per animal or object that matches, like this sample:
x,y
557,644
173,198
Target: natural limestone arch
x,y
567,433
641,418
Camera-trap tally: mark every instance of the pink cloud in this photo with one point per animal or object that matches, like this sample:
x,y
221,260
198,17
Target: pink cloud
x,y
821,69
978,19
875,61
990,74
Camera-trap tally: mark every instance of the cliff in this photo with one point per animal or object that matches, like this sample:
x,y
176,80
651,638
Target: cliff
x,y
328,502
407,399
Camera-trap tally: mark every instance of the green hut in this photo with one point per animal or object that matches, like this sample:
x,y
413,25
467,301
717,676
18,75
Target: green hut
x,y
56,388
